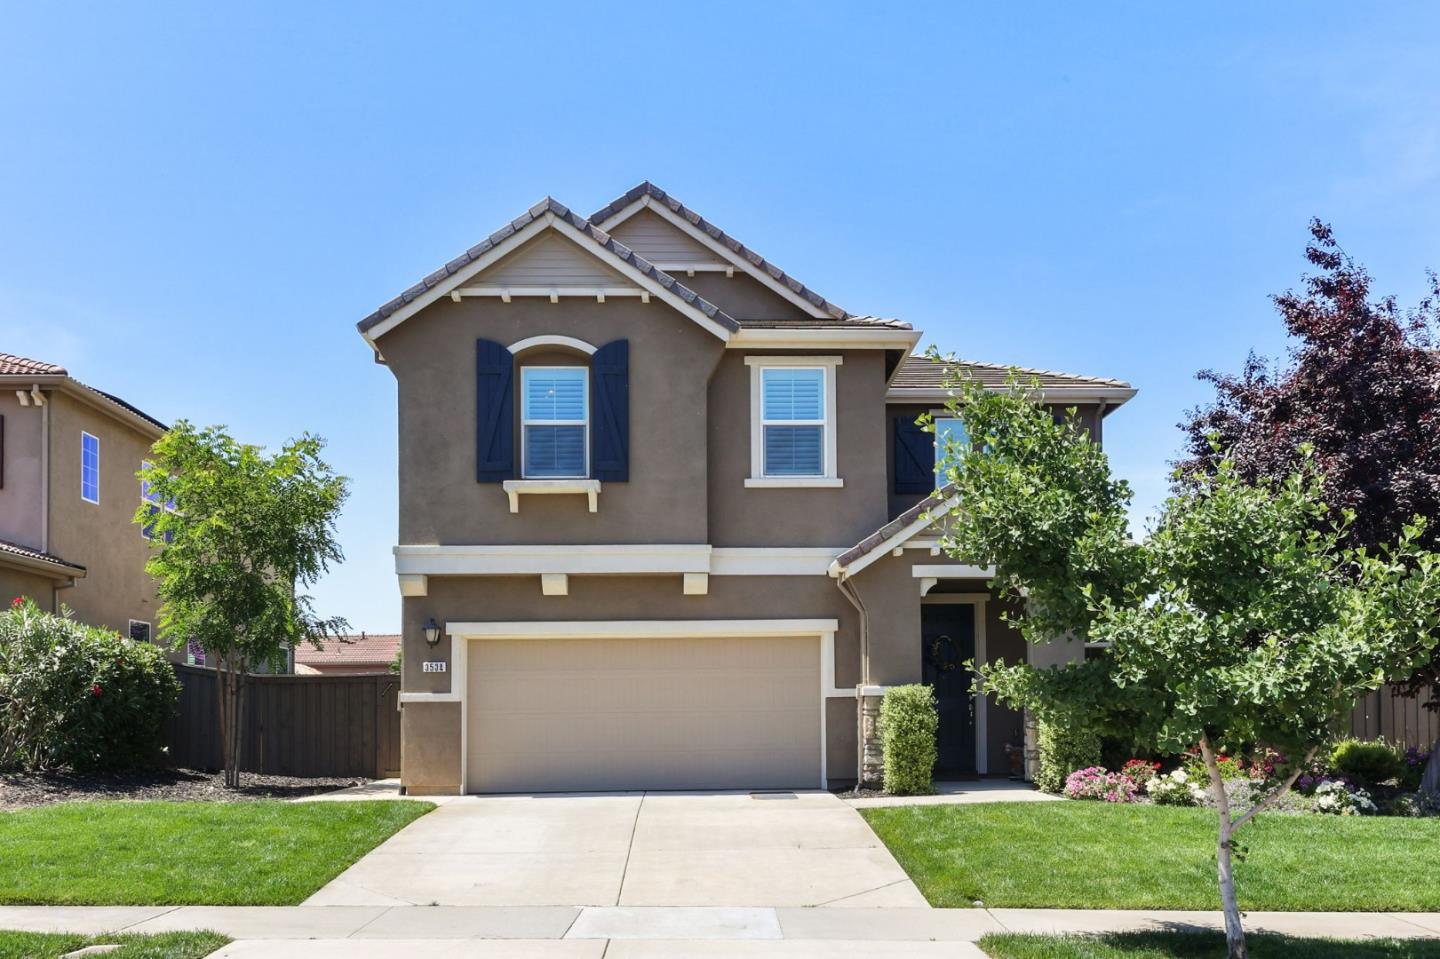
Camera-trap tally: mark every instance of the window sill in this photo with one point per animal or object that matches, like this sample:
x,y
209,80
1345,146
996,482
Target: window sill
x,y
794,482
589,487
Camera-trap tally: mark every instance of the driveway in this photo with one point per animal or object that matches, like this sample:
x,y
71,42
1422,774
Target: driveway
x,y
630,849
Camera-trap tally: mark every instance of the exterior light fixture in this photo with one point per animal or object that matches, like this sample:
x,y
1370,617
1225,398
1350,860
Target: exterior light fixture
x,y
432,632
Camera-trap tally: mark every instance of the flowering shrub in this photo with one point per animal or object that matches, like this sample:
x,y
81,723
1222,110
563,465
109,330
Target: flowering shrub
x,y
1231,767
1414,805
1415,760
1140,771
1338,799
75,695
1096,782
1176,789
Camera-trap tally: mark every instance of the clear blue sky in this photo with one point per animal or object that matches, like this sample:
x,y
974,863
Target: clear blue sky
x,y
198,201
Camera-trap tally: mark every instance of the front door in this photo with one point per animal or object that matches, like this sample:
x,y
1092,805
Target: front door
x,y
947,631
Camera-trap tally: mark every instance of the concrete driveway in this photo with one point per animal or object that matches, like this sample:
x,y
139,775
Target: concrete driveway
x,y
631,849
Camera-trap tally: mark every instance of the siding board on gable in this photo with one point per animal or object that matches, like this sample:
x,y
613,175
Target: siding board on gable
x,y
659,242
549,261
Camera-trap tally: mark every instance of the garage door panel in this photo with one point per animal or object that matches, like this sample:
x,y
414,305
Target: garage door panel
x,y
643,714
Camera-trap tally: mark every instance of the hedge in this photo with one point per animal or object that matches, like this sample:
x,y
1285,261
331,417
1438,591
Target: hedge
x,y
79,696
908,721
1062,749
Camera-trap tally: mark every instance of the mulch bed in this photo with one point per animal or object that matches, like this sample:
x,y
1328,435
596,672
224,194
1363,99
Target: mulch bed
x,y
21,790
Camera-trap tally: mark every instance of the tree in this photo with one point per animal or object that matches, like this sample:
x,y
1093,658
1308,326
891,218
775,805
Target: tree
x,y
1362,391
237,534
1241,619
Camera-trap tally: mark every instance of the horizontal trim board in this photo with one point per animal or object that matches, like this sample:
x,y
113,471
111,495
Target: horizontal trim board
x,y
956,571
1071,394
880,338
656,628
765,561
412,562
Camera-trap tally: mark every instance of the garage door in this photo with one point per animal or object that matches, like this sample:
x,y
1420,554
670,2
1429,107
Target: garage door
x,y
643,713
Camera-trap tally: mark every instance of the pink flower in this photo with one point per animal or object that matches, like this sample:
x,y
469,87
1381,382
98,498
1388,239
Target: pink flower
x,y
96,690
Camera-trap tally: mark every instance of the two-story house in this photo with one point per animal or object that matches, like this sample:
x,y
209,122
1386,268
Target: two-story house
x,y
68,495
664,517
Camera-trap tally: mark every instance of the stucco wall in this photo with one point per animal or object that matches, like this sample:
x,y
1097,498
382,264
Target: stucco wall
x,y
22,517
807,516
430,748
433,358
15,582
100,537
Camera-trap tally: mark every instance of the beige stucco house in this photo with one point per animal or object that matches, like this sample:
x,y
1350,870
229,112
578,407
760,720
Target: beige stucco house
x,y
68,495
663,517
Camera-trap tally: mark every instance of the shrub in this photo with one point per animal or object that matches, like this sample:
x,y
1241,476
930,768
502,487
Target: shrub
x,y
1140,771
1338,799
78,696
1230,768
1062,750
908,722
1176,789
1096,782
1415,761
1367,762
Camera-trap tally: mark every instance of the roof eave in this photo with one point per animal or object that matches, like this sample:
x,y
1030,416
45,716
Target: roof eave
x,y
85,394
53,569
1112,396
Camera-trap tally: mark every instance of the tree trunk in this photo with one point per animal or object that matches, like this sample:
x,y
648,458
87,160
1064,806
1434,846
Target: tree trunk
x,y
1430,783
1234,929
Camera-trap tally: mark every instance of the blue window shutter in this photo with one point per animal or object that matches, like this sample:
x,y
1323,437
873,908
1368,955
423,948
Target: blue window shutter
x,y
914,457
610,434
494,412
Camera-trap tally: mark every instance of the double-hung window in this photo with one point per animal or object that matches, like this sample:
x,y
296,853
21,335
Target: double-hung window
x,y
89,468
793,421
555,422
153,507
950,438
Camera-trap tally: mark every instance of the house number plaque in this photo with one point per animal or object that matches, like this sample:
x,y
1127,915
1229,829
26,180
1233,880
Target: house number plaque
x,y
432,667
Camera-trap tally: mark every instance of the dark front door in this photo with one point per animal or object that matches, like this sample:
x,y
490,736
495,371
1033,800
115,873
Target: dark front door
x,y
947,631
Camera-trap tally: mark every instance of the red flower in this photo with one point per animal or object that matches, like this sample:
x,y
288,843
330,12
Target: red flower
x,y
96,690
17,601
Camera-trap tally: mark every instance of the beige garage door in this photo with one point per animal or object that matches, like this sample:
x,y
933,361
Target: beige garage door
x,y
643,713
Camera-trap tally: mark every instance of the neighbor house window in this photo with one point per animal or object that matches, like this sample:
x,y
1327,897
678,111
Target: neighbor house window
x,y
792,421
555,422
139,630
89,468
153,506
950,438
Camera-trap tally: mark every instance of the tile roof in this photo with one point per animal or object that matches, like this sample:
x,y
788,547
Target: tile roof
x,y
875,540
10,363
923,373
720,236
25,552
815,323
351,650
601,238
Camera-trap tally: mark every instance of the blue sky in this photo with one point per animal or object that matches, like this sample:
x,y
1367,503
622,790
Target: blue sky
x,y
199,201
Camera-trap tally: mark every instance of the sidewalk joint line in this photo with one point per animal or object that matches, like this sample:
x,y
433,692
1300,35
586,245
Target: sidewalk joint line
x,y
369,922
625,870
862,892
578,911
996,919
148,918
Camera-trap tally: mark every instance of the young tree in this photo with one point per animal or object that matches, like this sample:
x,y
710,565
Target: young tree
x,y
1241,619
1362,390
237,534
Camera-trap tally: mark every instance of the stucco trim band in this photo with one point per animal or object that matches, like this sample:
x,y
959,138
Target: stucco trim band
x,y
414,561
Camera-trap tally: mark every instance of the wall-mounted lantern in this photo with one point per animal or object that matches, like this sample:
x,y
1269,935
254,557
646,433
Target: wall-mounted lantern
x,y
432,632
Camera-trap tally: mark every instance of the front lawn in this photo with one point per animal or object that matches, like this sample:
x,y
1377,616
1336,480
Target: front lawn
x,y
165,945
1189,945
1086,855
164,853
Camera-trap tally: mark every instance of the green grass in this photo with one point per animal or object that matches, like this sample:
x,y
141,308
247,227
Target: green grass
x,y
1190,945
202,853
1080,855
165,945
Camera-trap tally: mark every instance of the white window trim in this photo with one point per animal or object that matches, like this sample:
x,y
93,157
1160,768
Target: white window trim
x,y
87,499
937,416
829,476
524,433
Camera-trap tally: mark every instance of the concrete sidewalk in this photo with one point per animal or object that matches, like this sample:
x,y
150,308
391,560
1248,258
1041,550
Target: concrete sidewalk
x,y
283,931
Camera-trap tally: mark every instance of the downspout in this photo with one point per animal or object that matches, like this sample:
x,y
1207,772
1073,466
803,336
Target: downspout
x,y
848,590
55,594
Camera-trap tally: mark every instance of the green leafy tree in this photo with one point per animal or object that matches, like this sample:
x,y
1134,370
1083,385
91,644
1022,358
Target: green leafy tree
x,y
1242,618
237,534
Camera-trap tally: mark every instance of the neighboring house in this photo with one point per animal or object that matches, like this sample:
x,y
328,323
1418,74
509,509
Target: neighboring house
x,y
364,654
68,493
636,459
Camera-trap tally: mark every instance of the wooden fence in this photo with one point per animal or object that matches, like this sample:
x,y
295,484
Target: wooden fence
x,y
293,725
1399,719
